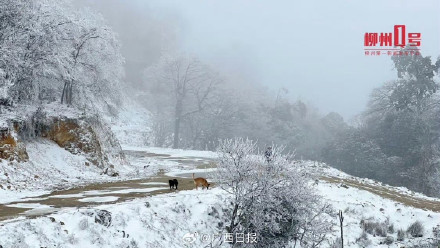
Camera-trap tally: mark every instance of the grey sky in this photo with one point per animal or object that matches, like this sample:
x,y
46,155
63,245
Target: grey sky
x,y
312,48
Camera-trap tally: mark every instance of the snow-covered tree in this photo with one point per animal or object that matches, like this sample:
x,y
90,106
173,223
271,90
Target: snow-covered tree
x,y
50,50
270,197
185,85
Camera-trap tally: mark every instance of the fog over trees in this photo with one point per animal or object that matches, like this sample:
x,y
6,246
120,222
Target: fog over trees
x,y
71,118
397,139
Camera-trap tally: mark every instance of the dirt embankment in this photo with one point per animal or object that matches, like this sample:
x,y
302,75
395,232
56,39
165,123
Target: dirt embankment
x,y
11,148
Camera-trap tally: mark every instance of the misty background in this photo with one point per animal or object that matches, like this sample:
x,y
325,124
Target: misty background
x,y
288,73
312,49
280,90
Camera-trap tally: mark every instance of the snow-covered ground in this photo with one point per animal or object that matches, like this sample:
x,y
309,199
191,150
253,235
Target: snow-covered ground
x,y
132,126
164,220
51,167
360,205
159,221
172,152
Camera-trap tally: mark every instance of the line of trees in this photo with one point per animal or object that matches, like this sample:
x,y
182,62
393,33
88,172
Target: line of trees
x,y
195,106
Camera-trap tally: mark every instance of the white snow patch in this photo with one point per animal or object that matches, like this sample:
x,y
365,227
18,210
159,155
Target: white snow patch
x,y
28,205
99,199
172,152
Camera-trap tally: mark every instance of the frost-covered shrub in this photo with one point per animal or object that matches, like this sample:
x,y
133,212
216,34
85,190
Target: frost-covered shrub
x,y
96,236
400,235
350,210
363,240
178,208
337,243
423,244
72,239
130,244
436,236
103,217
120,220
381,230
375,228
416,229
391,229
270,196
213,212
388,240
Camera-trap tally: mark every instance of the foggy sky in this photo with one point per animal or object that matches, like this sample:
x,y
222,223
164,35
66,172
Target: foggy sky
x,y
312,48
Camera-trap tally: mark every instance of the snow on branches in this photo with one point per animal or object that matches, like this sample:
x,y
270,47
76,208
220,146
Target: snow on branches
x,y
271,196
50,51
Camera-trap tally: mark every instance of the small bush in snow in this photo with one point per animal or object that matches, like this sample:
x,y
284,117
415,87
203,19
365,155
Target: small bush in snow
x,y
436,236
416,229
388,240
436,232
178,209
375,228
213,212
350,210
391,229
103,217
423,244
400,235
363,240
83,224
72,239
133,244
337,243
381,230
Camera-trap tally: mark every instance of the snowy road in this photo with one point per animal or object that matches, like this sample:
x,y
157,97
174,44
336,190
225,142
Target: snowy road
x,y
184,165
111,192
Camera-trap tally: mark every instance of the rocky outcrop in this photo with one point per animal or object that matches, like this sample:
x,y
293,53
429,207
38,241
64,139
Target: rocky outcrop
x,y
11,148
76,132
77,137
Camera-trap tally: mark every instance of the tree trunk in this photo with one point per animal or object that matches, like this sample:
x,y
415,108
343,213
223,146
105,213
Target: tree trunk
x,y
341,220
234,216
66,97
64,92
177,120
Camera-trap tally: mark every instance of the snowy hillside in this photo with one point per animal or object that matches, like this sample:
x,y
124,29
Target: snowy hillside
x,y
132,126
373,221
